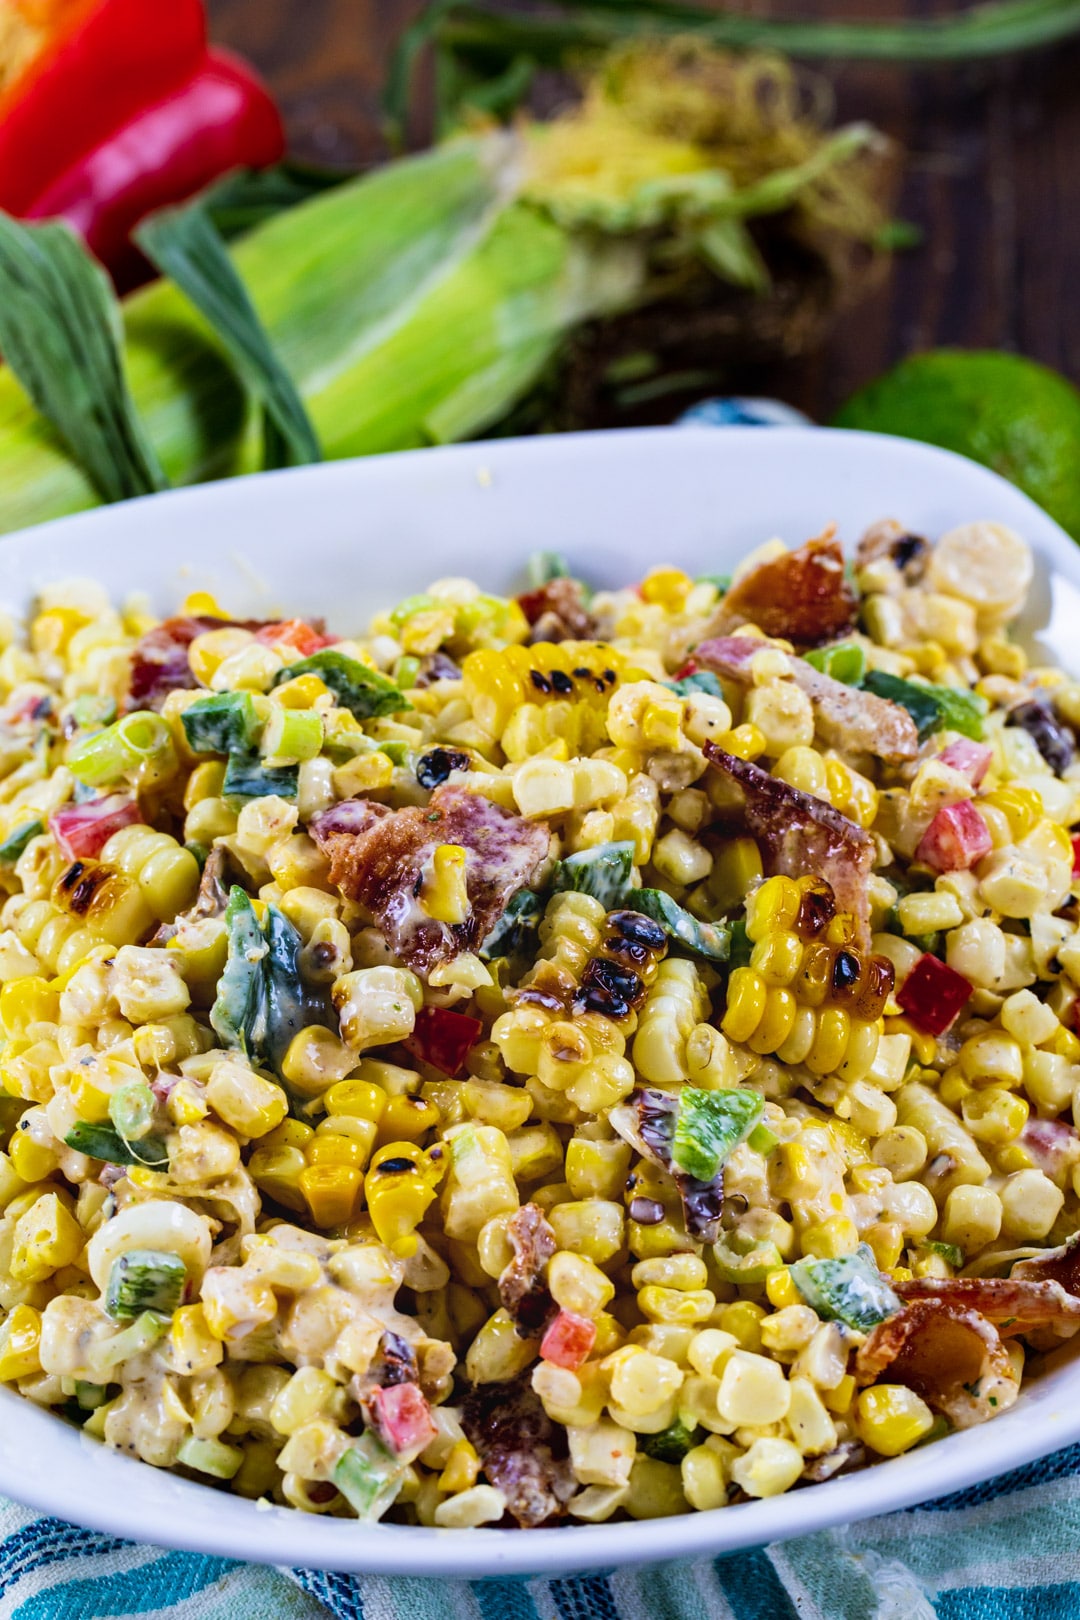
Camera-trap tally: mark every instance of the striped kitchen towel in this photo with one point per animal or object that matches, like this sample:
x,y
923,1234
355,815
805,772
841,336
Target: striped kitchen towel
x,y
1005,1550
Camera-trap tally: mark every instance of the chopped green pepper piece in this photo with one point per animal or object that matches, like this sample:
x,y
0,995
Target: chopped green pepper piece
x,y
710,1126
263,1000
15,843
850,1289
933,708
672,1443
762,1140
221,723
212,1457
845,661
705,939
515,931
363,691
950,1252
102,1142
368,1476
247,777
602,872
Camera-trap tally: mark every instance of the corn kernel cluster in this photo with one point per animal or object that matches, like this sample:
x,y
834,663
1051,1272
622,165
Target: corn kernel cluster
x,y
421,1185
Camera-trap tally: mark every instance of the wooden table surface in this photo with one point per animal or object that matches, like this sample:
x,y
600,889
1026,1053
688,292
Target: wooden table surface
x,y
992,176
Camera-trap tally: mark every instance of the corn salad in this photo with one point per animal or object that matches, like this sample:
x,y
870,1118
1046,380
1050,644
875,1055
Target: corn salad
x,y
563,1057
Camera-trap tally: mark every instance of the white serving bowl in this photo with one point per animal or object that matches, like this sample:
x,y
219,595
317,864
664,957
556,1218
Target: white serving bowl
x,y
346,539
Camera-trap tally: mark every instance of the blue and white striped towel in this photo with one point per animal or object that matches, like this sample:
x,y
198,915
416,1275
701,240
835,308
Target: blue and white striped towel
x,y
1006,1550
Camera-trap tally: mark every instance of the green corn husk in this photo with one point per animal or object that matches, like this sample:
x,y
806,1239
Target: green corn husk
x,y
421,303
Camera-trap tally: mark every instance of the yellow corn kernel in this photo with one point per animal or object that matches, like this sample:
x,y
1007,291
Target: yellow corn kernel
x,y
316,1060
443,894
302,692
192,1348
406,1119
28,1001
994,1115
838,1400
91,1102
331,1192
743,1321
886,1240
746,997
398,1198
20,1338
832,1238
736,868
291,1133
360,1098
246,1101
669,587
777,1023
333,1148
187,1104
780,1290
778,956
923,1046
276,1171
773,906
890,1418
830,1041
1020,805
462,1468
30,1159
745,742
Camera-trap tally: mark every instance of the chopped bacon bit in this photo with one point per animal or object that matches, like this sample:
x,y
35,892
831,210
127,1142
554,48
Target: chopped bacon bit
x,y
443,1038
568,1340
557,612
1076,857
1016,1303
1053,1144
377,857
83,830
971,759
401,1417
802,596
395,1362
846,718
933,994
303,638
955,840
159,660
521,1285
799,835
523,1453
947,1353
1060,1265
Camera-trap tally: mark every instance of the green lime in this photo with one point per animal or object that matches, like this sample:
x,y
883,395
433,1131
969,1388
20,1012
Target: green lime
x,y
1019,418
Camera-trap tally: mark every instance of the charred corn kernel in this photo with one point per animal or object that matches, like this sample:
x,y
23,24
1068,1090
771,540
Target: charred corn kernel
x,y
398,1197
406,1119
20,1340
462,1469
890,1419
780,1290
832,1238
46,1238
443,893
331,1192
747,994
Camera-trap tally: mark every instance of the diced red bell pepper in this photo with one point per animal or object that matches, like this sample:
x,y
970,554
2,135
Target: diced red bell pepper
x,y
83,830
220,119
443,1038
568,1340
102,63
971,759
296,634
689,668
933,994
955,839
1076,857
402,1418
1052,1144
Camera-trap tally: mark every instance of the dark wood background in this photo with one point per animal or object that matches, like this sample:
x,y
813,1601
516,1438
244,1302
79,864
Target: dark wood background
x,y
992,176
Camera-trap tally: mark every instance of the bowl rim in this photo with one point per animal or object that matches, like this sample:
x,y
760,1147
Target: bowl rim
x,y
80,1480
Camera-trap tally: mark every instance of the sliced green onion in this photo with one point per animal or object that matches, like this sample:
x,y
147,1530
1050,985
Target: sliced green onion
x,y
15,843
92,710
762,1140
406,672
210,1457
846,661
131,1341
368,1476
146,735
409,607
709,1127
145,1280
104,1143
292,734
356,687
106,755
672,1443
223,723
744,1261
602,872
246,777
131,1109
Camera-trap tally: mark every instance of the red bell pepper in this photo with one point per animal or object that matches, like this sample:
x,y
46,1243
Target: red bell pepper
x,y
971,759
124,110
294,633
955,840
568,1340
220,119
83,830
402,1418
443,1038
933,994
1076,857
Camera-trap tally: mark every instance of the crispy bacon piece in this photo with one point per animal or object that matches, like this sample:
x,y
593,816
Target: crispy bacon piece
x,y
1061,1266
159,660
521,1286
557,612
799,835
377,857
947,1353
802,596
846,718
1013,1302
523,1453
